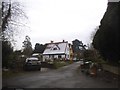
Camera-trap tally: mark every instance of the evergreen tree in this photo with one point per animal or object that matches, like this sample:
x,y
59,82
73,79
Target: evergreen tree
x,y
27,46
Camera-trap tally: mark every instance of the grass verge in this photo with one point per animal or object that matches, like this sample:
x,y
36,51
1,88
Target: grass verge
x,y
10,74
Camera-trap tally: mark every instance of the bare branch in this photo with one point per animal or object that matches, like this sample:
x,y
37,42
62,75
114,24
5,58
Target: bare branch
x,y
12,15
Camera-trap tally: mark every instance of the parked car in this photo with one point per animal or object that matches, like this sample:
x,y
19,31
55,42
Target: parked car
x,y
81,61
75,59
32,63
38,55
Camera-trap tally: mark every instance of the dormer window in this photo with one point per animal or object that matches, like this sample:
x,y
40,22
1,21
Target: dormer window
x,y
55,48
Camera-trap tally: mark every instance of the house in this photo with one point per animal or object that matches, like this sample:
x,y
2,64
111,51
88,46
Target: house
x,y
58,50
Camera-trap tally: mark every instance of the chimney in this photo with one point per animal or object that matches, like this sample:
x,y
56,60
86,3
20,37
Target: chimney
x,y
51,41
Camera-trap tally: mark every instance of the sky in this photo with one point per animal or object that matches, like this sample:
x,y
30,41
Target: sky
x,y
59,20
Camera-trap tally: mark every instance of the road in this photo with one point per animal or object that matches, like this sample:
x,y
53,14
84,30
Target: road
x,y
65,77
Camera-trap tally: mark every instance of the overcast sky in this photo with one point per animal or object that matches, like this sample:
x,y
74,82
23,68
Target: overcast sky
x,y
61,19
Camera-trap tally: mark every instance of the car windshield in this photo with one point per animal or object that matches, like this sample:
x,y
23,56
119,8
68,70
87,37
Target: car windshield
x,y
31,59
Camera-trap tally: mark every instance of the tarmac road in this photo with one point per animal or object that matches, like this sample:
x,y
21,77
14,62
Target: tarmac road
x,y
66,77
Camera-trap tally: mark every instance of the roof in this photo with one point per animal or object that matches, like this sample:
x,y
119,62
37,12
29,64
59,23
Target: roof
x,y
113,0
56,48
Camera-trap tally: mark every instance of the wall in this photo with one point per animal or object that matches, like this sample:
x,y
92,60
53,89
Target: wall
x,y
112,69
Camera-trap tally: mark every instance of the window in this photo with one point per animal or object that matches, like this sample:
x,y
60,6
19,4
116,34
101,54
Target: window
x,y
54,48
59,56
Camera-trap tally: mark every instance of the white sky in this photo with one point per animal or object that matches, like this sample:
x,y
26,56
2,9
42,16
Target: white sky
x,y
62,19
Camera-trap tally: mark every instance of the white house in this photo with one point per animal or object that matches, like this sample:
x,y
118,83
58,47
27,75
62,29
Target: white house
x,y
57,50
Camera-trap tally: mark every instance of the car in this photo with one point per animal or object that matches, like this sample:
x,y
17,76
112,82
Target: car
x,y
75,59
81,61
32,63
38,55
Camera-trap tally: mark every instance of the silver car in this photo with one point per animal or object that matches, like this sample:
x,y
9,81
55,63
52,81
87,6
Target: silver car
x,y
32,63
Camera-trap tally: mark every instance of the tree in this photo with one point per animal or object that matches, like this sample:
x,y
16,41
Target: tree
x,y
78,45
78,48
106,39
39,48
6,53
27,46
12,15
94,32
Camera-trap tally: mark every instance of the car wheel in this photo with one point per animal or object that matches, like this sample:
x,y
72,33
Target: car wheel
x,y
39,69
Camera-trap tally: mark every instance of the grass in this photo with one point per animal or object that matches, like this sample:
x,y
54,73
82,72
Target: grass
x,y
10,74
56,65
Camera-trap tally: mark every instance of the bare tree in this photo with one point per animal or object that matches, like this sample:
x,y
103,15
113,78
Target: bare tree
x,y
94,32
12,15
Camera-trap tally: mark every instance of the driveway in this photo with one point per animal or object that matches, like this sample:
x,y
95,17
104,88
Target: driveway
x,y
65,77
